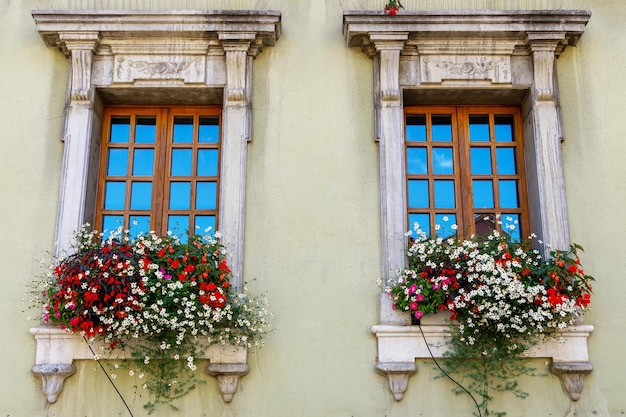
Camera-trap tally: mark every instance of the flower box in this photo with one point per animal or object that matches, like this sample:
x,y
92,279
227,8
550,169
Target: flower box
x,y
57,349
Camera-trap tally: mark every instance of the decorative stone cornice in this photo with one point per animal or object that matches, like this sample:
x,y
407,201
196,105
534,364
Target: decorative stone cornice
x,y
265,25
359,26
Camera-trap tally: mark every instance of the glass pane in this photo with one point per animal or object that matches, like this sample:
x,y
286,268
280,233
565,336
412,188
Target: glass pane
x,y
416,162
418,193
442,161
145,129
421,221
139,225
114,195
504,128
120,129
508,194
209,129
442,128
141,196
143,163
511,225
480,160
416,128
206,195
444,194
183,129
479,128
205,225
483,193
505,160
181,162
178,225
110,224
118,162
484,224
207,162
180,195
446,224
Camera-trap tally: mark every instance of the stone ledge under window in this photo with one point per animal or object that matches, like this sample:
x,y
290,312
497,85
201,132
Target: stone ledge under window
x,y
400,346
57,349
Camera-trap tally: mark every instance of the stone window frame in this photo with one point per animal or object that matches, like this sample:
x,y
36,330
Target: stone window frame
x,y
467,57
145,58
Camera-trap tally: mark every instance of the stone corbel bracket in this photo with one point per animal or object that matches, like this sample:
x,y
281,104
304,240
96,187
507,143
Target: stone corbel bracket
x,y
400,346
57,349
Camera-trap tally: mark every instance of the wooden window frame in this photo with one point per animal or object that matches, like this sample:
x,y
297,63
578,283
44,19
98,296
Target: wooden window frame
x,y
161,178
462,176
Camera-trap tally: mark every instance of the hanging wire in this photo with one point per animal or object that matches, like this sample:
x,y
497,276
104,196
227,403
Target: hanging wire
x,y
446,374
108,377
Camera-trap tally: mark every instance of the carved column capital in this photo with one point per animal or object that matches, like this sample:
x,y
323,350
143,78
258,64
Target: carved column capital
x,y
80,47
236,51
544,49
388,46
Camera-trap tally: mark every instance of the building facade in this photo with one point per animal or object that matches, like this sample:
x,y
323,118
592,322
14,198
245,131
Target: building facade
x,y
317,105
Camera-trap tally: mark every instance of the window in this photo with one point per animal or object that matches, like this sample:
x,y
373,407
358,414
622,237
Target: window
x,y
465,167
159,170
456,158
159,166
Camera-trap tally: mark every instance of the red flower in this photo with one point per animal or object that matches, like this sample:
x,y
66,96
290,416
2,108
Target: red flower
x,y
583,300
207,287
224,267
189,268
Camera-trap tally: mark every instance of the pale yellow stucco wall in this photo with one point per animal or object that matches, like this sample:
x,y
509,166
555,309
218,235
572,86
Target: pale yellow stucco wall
x,y
312,238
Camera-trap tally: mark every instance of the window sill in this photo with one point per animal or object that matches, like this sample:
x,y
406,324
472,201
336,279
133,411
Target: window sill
x,y
400,345
57,349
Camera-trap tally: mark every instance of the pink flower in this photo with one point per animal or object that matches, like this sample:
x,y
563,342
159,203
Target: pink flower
x,y
419,314
412,289
419,297
413,306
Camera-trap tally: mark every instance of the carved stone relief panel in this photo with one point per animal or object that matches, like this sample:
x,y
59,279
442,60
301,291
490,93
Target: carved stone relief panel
x,y
436,69
128,69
